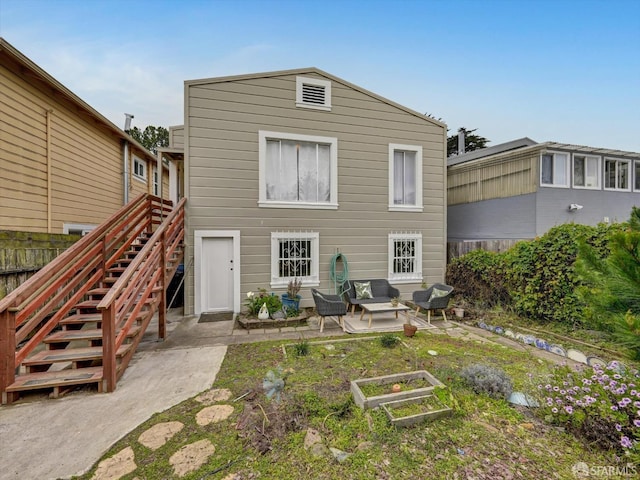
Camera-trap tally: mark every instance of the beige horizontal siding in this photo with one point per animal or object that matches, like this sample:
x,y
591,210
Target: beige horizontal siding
x,y
223,120
506,176
85,155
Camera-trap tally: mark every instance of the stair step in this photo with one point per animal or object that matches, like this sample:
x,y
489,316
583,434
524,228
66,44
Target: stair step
x,y
80,318
116,269
85,334
98,291
34,381
46,357
87,304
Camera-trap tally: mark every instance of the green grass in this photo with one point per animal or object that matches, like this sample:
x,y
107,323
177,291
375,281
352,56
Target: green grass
x,y
484,438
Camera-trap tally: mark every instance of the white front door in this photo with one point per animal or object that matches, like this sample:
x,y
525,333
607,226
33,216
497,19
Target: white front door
x,y
217,271
217,274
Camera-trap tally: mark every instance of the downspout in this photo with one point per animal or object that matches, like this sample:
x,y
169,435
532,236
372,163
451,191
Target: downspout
x,y
125,171
49,169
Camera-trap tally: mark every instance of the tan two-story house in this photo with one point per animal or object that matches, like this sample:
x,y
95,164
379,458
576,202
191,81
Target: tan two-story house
x,y
283,170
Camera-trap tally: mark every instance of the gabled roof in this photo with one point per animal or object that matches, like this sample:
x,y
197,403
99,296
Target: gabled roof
x,y
37,73
493,150
303,71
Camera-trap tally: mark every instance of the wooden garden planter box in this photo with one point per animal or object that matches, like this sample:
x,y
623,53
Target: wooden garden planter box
x,y
428,407
419,376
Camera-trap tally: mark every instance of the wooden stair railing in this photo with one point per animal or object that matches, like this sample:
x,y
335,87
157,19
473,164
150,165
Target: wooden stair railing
x,y
139,293
68,284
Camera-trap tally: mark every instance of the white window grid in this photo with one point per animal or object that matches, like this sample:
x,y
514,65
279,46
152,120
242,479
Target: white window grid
x,y
294,255
156,183
405,257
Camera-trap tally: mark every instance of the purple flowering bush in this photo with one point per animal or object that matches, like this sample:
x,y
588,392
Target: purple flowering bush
x,y
599,404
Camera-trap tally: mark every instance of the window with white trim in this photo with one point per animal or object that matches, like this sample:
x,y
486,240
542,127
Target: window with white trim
x,y
405,257
294,255
298,171
554,169
636,170
586,171
313,93
77,228
405,177
156,186
139,169
616,174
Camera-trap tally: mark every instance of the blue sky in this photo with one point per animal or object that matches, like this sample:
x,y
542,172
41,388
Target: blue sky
x,y
559,70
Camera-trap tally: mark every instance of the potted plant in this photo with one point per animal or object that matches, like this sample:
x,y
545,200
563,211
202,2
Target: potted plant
x,y
409,328
395,301
291,299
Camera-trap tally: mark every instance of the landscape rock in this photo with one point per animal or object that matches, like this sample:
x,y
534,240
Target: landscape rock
x,y
191,457
339,455
214,395
213,414
113,468
311,438
159,434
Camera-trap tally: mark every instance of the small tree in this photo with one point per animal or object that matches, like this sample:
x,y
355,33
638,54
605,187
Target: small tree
x,y
612,283
151,137
471,142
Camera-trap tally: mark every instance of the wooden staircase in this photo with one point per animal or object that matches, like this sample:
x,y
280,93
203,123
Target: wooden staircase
x,y
79,320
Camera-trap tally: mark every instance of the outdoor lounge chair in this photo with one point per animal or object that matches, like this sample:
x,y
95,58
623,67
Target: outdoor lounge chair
x,y
436,297
329,305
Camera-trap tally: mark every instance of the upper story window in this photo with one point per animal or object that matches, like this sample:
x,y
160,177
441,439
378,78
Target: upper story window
x,y
617,174
156,186
586,171
139,169
405,177
636,167
298,171
554,169
294,255
405,257
313,93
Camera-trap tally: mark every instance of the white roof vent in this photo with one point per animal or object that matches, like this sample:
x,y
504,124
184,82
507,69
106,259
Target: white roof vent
x,y
313,93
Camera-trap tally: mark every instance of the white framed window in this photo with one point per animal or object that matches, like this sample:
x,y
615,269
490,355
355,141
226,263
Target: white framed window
x,y
313,93
405,257
297,171
636,176
77,228
554,169
139,169
617,174
156,186
586,171
405,177
294,255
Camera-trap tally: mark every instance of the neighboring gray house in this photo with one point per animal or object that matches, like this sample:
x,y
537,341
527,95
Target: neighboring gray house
x,y
520,189
285,169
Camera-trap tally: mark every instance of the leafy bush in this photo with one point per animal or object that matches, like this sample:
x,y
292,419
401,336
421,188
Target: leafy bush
x,y
601,405
389,340
486,379
479,278
255,301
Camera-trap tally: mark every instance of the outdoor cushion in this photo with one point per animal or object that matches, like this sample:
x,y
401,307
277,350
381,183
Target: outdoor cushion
x,y
363,290
437,293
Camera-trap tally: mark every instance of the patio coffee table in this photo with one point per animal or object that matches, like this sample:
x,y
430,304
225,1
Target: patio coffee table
x,y
372,308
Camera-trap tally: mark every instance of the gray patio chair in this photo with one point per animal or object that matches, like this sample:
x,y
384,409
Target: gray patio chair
x,y
329,306
436,297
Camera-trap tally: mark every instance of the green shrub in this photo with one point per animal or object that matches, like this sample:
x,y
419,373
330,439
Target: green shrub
x,y
389,340
486,379
301,348
479,277
255,301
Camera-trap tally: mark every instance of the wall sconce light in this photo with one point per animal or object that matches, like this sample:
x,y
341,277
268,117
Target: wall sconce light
x,y
574,206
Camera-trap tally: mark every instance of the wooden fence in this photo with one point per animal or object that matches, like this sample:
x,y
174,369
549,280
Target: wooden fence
x,y
457,249
24,253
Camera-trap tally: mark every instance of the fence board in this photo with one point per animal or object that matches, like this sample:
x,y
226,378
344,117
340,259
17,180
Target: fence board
x,y
458,249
